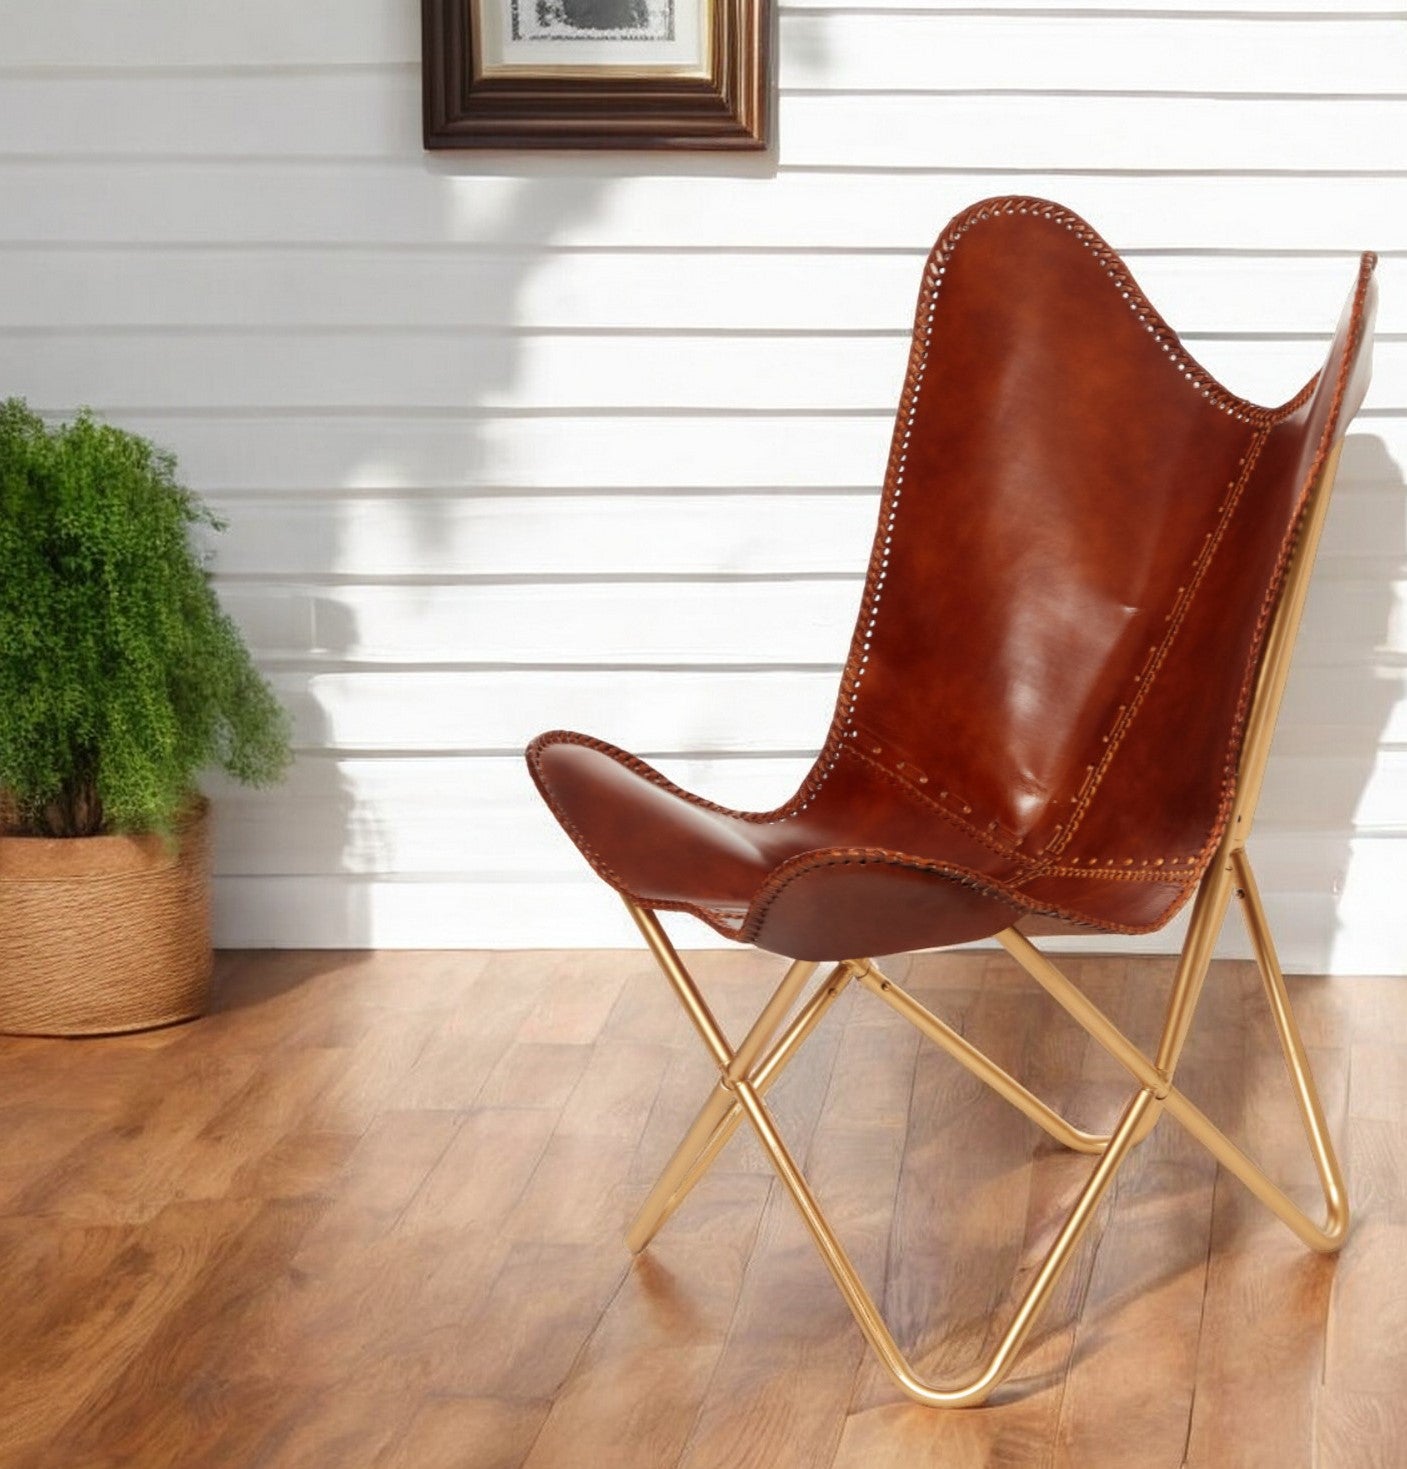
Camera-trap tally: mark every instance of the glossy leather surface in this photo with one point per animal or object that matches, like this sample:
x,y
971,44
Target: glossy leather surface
x,y
1081,543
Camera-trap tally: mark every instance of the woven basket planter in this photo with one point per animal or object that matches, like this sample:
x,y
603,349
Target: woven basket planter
x,y
104,934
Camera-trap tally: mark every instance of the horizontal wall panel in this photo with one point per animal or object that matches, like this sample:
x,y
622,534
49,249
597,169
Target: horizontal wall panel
x,y
374,913
173,33
369,912
781,621
1342,711
274,455
592,204
854,44
417,710
655,623
1367,525
877,131
678,534
271,33
565,535
326,114
434,371
554,373
441,815
376,114
1335,794
521,841
883,50
482,815
650,291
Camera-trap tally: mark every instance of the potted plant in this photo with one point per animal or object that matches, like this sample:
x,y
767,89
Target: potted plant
x,y
120,680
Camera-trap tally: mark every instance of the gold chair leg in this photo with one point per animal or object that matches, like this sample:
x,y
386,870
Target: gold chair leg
x,y
1324,1238
663,1201
1316,1127
981,1065
862,1306
735,1082
743,1080
1208,916
720,1115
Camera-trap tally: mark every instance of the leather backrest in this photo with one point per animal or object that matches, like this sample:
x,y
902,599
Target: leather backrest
x,y
1081,541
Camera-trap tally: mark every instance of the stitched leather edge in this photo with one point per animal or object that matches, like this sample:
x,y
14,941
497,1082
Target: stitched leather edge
x,y
598,864
852,676
1243,409
797,867
1367,264
842,720
794,867
975,833
1271,601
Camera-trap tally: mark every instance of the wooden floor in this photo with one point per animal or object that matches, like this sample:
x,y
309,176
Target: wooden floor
x,y
370,1214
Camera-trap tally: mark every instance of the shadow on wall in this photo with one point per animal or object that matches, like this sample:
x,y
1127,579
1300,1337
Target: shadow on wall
x,y
378,747
1334,782
1329,799
397,745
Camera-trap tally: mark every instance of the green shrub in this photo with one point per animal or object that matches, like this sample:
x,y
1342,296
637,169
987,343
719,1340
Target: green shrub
x,y
120,677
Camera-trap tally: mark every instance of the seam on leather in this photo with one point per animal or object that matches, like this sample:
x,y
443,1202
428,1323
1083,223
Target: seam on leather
x,y
1114,870
791,871
1183,882
885,751
976,833
782,877
1158,654
1270,602
1198,378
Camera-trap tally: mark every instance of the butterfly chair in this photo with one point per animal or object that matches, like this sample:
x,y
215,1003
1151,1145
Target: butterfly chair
x,y
1074,635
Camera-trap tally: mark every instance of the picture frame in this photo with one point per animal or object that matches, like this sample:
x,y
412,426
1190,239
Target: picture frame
x,y
636,74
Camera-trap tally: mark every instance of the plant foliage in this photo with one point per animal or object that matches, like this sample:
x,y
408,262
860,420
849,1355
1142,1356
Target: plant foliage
x,y
120,676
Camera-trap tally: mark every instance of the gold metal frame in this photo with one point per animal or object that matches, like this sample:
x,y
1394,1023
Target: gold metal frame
x,y
745,1074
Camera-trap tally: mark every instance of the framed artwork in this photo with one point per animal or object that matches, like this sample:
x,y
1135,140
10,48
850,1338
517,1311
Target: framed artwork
x,y
596,73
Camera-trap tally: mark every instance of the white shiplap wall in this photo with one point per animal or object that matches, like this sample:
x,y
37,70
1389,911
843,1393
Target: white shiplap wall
x,y
511,441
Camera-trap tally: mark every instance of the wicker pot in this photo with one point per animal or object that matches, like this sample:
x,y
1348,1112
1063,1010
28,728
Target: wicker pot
x,y
104,934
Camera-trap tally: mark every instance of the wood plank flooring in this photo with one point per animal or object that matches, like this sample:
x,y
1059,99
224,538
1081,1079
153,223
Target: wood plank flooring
x,y
368,1215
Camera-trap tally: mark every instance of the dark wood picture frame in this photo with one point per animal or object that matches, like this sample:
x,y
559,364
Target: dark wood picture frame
x,y
730,108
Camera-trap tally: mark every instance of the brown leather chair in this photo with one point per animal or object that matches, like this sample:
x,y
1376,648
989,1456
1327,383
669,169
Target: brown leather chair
x,y
1055,715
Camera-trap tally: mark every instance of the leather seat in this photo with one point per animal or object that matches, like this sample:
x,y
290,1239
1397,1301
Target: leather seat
x,y
1081,541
